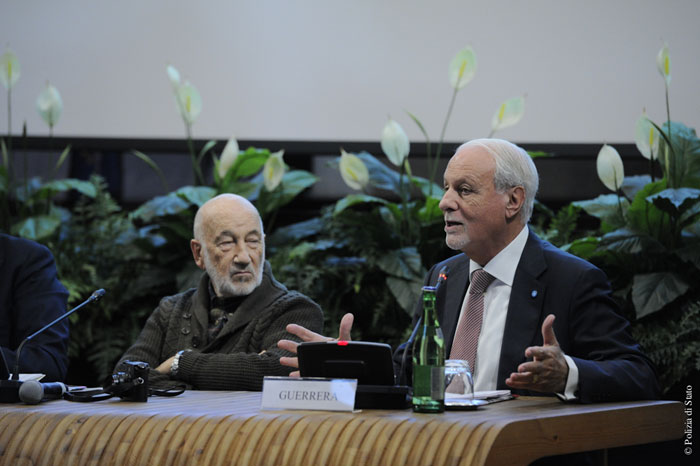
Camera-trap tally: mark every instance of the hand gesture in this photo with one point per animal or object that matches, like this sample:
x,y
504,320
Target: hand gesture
x,y
548,370
307,335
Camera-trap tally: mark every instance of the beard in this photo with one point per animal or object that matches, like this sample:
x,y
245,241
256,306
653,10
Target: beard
x,y
457,241
227,285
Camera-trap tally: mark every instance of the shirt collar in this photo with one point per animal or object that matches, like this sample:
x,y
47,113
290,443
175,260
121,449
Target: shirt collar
x,y
504,264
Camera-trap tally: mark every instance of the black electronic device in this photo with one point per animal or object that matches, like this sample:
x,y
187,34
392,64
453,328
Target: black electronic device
x,y
129,382
370,363
9,389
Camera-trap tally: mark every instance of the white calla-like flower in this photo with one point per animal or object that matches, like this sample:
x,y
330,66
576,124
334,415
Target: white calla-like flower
x,y
509,113
273,170
9,69
228,156
663,63
189,102
610,169
395,144
646,137
353,170
462,68
49,105
173,75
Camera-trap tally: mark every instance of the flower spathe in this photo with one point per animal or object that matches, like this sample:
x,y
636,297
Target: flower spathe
x,y
646,137
462,68
9,69
610,169
395,144
663,63
508,113
187,97
228,156
49,105
273,171
189,102
173,75
353,170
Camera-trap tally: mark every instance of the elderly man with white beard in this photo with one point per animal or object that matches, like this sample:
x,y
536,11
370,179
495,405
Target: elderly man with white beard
x,y
223,334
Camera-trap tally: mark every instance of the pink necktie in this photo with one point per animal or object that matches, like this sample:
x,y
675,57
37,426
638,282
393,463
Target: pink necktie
x,y
466,338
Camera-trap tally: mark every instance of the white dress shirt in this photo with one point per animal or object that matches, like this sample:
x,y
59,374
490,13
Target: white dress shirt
x,y
496,298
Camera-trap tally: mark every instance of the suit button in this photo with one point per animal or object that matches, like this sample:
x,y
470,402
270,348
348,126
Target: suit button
x,y
186,315
185,331
195,342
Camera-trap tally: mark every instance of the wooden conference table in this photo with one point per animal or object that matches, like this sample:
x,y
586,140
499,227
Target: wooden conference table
x,y
211,428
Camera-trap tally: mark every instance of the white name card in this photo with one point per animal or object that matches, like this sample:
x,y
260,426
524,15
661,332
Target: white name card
x,y
308,393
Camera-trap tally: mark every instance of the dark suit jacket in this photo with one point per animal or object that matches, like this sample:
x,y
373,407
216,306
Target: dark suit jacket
x,y
30,297
588,326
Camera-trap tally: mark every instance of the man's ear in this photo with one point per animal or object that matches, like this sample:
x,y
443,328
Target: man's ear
x,y
196,248
515,202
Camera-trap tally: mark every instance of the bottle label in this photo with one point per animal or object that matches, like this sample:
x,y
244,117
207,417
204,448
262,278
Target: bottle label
x,y
437,383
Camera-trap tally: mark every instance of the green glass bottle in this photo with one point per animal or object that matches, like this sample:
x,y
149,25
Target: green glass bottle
x,y
429,360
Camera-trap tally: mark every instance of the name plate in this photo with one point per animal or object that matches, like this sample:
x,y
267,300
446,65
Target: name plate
x,y
308,393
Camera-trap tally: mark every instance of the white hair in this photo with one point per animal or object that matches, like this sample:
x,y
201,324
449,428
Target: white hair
x,y
514,167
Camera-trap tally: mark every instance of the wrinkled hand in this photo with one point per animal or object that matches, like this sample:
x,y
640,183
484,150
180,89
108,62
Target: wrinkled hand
x,y
547,372
164,367
307,335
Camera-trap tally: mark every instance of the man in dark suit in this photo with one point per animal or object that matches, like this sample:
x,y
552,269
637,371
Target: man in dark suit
x,y
30,297
546,323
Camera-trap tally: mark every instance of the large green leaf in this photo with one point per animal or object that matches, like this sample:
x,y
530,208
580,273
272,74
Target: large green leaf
x,y
428,189
684,160
391,215
643,216
430,212
293,183
627,241
606,207
295,232
37,227
583,247
248,163
403,263
675,201
381,176
631,185
652,291
248,189
406,292
196,195
83,187
354,199
160,206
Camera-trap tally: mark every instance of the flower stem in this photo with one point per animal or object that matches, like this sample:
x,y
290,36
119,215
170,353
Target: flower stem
x,y
9,131
404,220
196,169
671,170
433,170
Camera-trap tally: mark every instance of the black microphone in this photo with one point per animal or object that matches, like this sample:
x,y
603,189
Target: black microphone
x,y
442,277
32,392
94,297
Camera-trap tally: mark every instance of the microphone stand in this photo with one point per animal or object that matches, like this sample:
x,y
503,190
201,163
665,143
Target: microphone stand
x,y
94,297
9,389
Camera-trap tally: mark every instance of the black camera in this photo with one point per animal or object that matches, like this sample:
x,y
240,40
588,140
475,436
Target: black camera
x,y
129,381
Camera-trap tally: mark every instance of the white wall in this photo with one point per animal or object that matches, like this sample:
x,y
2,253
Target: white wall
x,y
334,70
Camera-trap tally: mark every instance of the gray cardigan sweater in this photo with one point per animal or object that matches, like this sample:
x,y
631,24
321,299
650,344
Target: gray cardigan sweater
x,y
244,351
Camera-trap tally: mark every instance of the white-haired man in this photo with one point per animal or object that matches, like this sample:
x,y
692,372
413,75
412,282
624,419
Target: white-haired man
x,y
222,335
547,323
